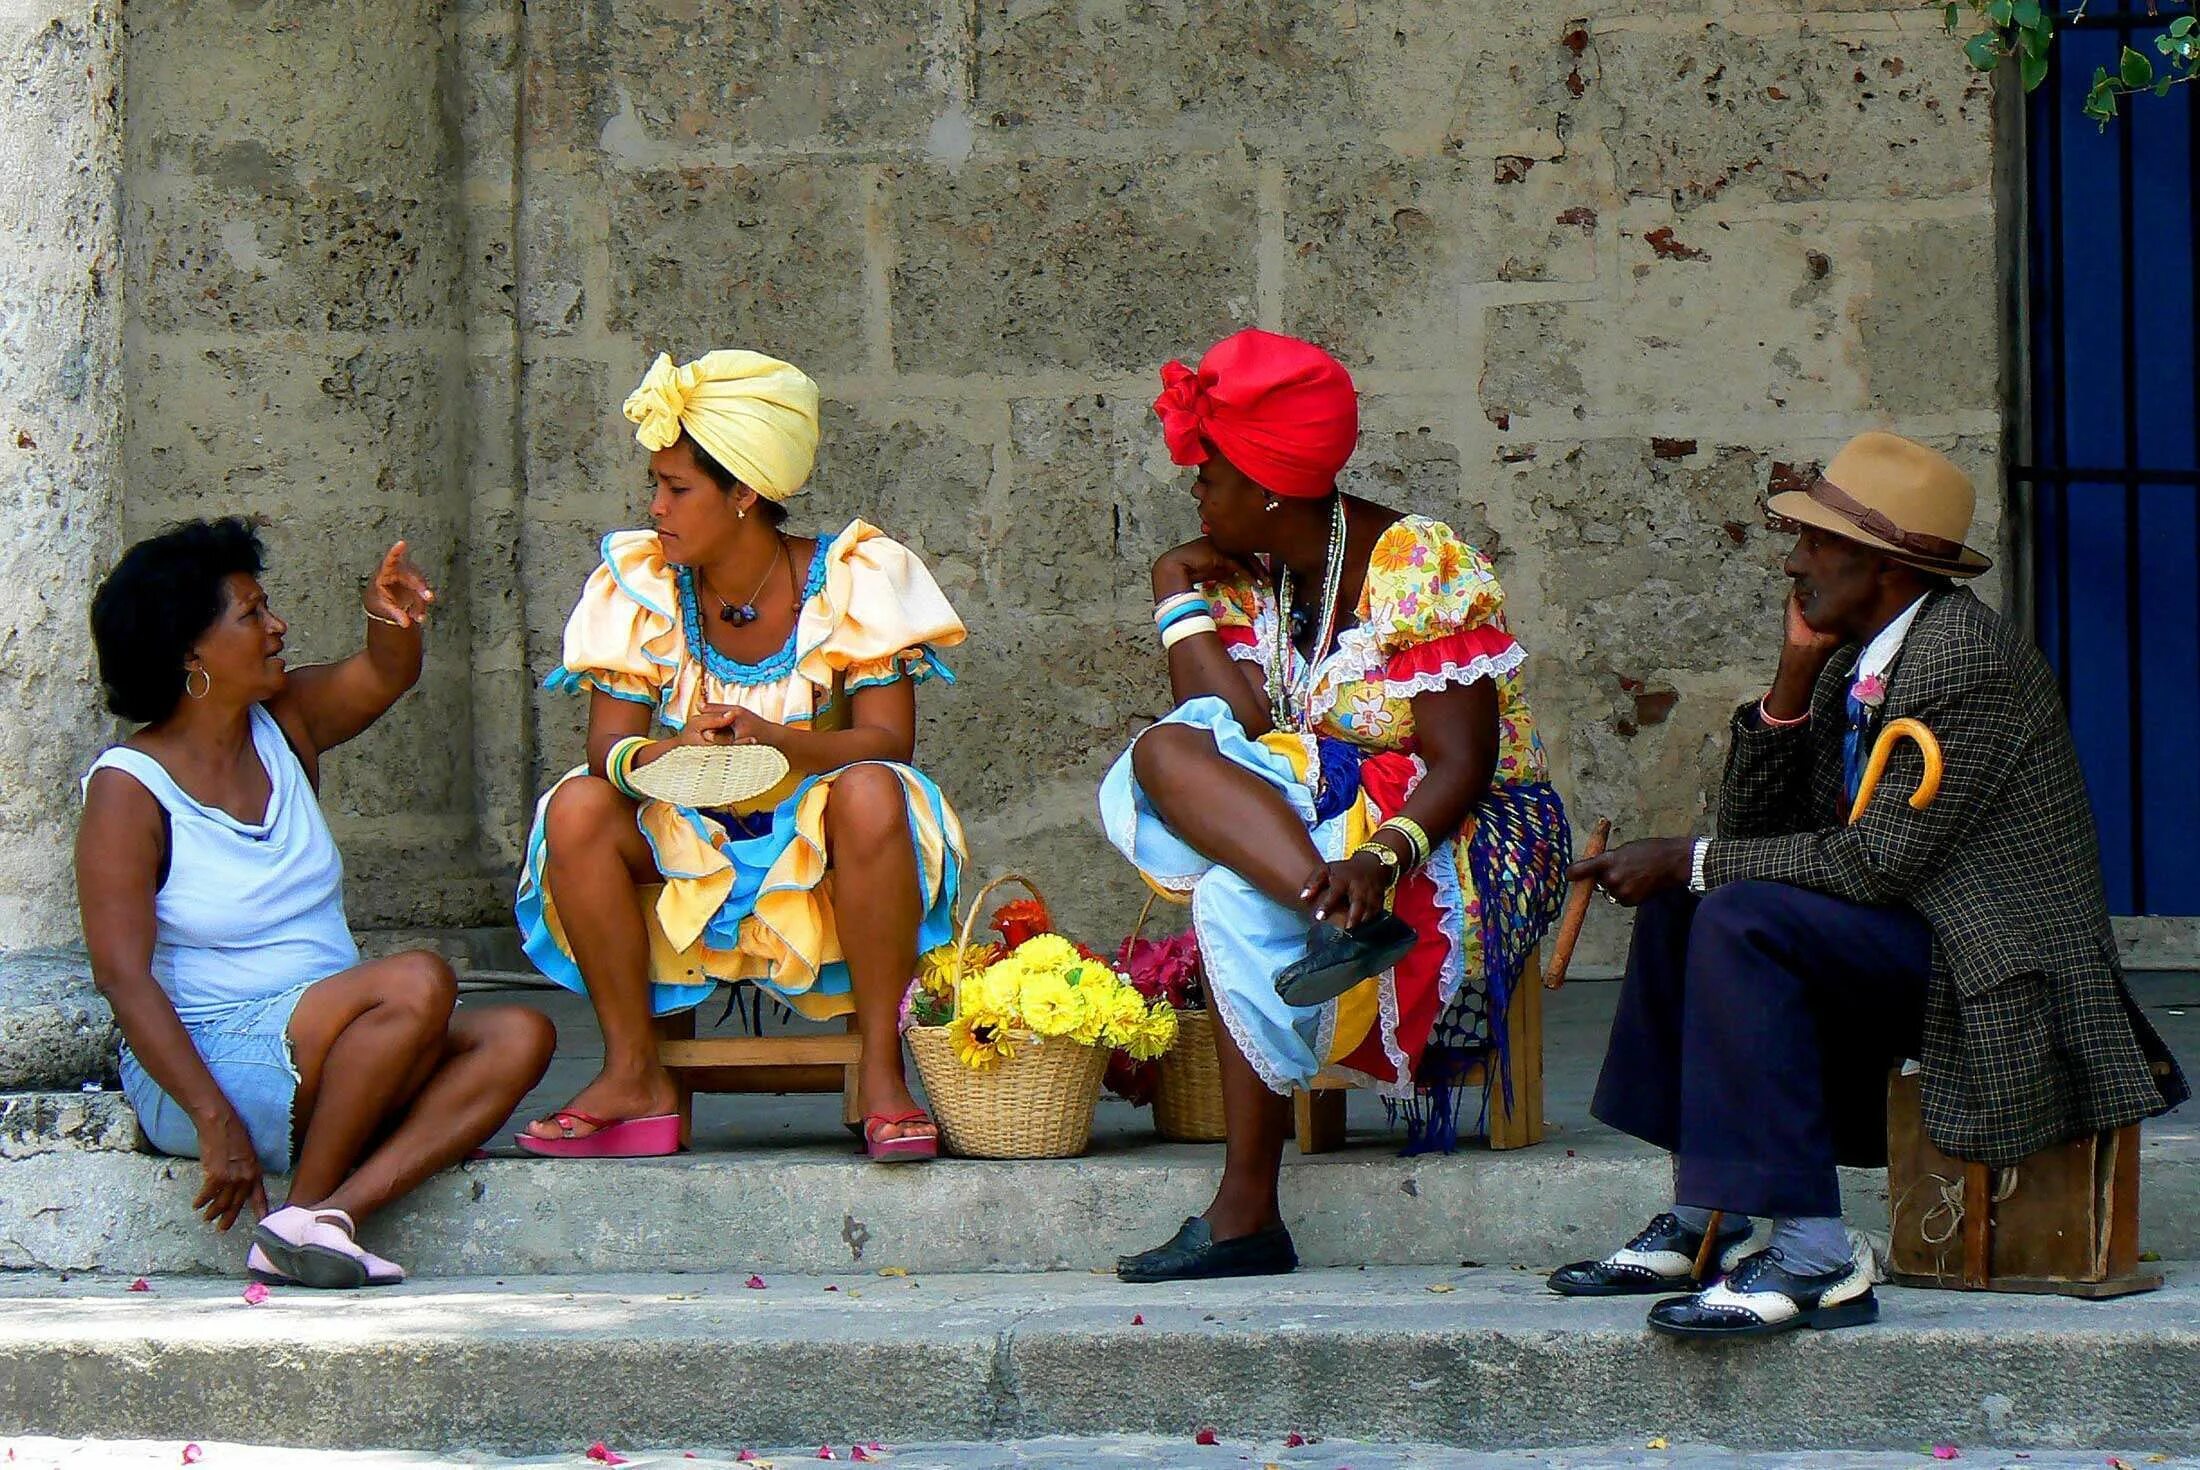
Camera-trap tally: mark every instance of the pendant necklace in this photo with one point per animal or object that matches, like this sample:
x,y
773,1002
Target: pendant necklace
x,y
746,613
1288,697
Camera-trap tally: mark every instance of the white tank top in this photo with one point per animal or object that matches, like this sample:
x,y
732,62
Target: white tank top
x,y
248,910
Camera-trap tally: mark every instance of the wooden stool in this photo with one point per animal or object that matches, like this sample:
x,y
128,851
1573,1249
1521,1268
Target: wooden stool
x,y
1319,1112
2064,1220
759,1064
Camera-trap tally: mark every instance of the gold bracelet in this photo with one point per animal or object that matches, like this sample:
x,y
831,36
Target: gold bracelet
x,y
1416,837
1383,854
375,617
618,766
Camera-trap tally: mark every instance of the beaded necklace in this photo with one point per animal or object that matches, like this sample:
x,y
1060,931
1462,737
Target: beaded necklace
x,y
1288,697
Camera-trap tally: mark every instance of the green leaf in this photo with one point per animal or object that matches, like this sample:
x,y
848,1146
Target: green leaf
x,y
1984,49
2100,99
1949,16
2038,39
2161,88
2027,13
2182,26
2035,72
2134,70
2000,11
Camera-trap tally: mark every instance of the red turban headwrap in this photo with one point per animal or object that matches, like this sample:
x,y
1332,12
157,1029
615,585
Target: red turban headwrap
x,y
1281,410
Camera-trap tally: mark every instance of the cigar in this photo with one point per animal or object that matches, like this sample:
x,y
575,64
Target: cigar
x,y
1577,909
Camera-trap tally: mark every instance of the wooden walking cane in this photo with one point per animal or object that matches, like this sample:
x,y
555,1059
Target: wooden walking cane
x,y
1577,909
1927,788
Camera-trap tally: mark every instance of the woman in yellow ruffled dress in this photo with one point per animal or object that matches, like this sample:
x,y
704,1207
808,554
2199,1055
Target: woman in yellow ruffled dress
x,y
718,628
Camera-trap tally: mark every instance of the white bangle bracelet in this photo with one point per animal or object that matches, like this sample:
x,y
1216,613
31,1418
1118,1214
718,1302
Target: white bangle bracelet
x,y
1190,627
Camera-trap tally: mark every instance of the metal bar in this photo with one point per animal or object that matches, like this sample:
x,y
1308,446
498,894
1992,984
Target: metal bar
x,y
2134,706
2133,475
2059,420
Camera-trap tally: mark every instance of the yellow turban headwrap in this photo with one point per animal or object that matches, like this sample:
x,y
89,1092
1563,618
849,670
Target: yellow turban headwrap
x,y
755,415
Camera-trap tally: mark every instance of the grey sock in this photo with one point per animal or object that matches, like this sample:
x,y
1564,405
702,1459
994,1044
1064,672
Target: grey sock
x,y
1811,1245
1695,1217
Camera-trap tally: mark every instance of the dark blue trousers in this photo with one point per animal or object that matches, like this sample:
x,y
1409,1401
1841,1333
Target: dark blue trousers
x,y
1755,1029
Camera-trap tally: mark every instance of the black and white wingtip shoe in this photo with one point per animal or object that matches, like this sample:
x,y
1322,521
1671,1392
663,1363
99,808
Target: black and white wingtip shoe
x,y
1661,1257
1760,1296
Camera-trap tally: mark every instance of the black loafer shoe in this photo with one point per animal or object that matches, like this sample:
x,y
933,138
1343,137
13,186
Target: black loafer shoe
x,y
1193,1254
1760,1296
1338,959
1661,1257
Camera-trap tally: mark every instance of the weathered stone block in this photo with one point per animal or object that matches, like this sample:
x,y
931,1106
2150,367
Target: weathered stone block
x,y
1378,252
692,71
564,230
1409,68
768,257
1090,500
1735,315
917,471
56,1030
1785,114
1534,361
1929,323
313,257
582,462
350,90
365,435
1092,265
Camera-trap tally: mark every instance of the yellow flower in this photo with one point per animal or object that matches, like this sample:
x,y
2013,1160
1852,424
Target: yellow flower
x,y
980,1044
936,971
999,991
1154,1034
1047,952
1126,1010
1052,1006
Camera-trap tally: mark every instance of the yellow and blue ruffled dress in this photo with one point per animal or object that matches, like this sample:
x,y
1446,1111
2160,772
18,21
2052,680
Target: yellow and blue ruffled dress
x,y
744,895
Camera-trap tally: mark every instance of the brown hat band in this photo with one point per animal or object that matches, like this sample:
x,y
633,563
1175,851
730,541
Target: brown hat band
x,y
1864,518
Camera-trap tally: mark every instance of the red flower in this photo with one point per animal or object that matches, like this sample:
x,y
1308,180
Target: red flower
x,y
1025,918
1164,968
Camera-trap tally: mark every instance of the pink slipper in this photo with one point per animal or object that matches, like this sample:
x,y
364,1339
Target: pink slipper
x,y
902,1150
380,1272
654,1137
304,1249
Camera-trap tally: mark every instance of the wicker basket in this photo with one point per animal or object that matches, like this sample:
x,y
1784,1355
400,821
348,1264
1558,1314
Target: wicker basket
x,y
1038,1104
1187,1100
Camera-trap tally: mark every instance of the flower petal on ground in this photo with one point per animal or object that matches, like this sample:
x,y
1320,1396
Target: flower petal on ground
x,y
141,1284
255,1294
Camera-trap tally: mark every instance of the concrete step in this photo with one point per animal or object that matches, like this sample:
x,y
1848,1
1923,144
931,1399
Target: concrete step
x,y
76,1195
1480,1359
1066,1452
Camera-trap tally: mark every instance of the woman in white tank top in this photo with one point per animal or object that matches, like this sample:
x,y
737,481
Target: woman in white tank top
x,y
253,1037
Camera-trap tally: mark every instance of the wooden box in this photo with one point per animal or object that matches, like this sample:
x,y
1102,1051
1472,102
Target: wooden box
x,y
2064,1220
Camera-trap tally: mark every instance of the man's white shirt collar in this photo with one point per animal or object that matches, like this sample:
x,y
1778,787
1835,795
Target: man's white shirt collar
x,y
1881,651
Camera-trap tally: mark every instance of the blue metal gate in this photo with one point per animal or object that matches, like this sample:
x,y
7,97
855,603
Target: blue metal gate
x,y
2113,485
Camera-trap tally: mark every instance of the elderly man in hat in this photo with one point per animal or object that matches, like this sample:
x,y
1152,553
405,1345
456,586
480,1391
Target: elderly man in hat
x,y
1781,967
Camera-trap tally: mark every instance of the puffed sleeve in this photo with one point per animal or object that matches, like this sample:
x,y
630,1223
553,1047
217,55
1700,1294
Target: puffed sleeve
x,y
624,635
1234,605
1437,610
879,616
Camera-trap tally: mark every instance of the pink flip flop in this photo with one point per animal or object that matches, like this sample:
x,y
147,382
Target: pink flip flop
x,y
654,1137
905,1149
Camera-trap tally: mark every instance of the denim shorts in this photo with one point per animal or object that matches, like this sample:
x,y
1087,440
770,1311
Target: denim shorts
x,y
247,1048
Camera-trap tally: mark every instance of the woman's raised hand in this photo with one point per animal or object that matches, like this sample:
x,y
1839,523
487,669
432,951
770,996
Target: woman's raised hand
x,y
397,592
230,1172
1182,568
729,724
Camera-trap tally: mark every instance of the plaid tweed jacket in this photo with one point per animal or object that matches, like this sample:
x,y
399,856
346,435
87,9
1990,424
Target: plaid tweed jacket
x,y
2030,1034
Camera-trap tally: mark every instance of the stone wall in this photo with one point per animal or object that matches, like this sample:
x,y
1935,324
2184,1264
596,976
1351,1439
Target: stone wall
x,y
1604,277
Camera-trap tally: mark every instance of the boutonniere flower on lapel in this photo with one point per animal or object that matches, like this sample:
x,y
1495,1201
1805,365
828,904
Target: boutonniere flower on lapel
x,y
1871,691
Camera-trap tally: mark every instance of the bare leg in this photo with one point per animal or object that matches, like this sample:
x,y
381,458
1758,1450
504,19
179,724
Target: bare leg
x,y
878,904
1234,818
598,862
1256,1124
1228,814
357,1038
488,1060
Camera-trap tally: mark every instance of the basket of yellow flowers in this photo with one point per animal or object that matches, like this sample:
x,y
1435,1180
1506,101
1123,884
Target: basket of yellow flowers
x,y
1012,1038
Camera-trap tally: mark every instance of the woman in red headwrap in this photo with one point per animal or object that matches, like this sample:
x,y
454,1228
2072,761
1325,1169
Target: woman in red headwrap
x,y
1350,792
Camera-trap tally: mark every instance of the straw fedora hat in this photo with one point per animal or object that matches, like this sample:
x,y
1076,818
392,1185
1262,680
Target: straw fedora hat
x,y
1893,495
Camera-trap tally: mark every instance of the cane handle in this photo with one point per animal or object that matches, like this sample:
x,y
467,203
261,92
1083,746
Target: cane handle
x,y
1883,750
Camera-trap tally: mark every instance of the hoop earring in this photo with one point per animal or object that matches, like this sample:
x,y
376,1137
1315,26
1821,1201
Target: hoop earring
x,y
1272,503
202,692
